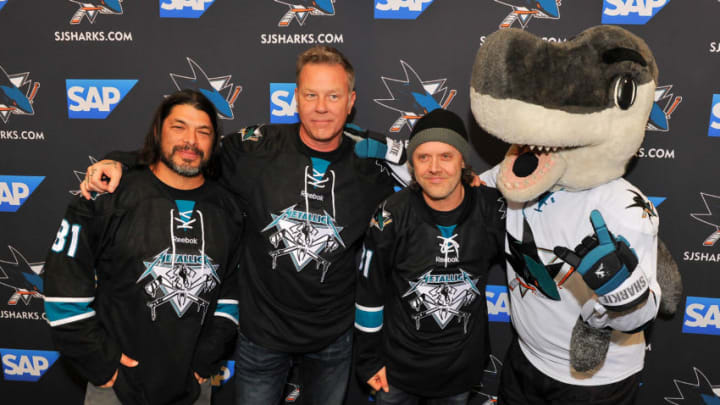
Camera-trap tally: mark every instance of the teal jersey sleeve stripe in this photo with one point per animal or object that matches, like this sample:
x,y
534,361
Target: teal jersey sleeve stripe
x,y
368,319
64,310
229,309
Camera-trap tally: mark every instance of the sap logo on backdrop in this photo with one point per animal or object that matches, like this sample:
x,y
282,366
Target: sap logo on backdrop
x,y
300,10
91,9
631,11
702,315
497,303
95,98
413,97
26,365
400,9
17,94
3,3
524,10
660,115
283,107
184,8
714,127
218,89
15,190
699,392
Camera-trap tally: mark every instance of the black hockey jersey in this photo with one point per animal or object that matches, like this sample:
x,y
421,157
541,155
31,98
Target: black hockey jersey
x,y
420,306
149,271
307,215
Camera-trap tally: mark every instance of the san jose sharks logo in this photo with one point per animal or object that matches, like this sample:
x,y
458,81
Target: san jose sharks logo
x,y
665,104
442,296
17,94
303,236
179,279
640,202
80,176
218,90
711,217
91,9
22,278
524,10
300,10
699,392
381,218
532,273
413,98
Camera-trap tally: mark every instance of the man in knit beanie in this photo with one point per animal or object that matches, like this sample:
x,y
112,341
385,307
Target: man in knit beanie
x,y
421,318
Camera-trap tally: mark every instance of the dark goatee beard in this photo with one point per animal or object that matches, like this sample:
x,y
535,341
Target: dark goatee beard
x,y
184,170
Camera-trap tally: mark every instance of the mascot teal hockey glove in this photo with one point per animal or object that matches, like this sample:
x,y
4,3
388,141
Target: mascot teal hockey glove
x,y
376,146
607,265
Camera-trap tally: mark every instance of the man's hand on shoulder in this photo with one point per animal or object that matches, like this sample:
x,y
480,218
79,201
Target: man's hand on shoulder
x,y
102,177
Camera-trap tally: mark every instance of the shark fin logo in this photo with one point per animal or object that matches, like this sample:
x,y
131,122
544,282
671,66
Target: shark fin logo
x,y
487,390
665,104
381,219
712,206
22,278
524,10
17,94
218,90
91,9
413,98
442,297
300,10
698,392
646,205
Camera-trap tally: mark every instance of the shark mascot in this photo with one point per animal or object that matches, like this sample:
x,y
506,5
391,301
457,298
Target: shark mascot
x,y
584,269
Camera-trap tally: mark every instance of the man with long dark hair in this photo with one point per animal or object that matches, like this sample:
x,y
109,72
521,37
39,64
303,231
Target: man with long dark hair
x,y
308,198
141,289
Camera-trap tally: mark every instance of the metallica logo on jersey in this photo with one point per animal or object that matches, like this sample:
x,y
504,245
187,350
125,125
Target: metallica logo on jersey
x,y
442,296
180,274
304,236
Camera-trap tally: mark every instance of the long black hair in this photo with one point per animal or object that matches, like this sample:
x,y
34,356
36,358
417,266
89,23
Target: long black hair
x,y
151,151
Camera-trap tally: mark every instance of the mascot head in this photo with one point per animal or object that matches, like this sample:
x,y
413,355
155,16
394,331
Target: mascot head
x,y
575,112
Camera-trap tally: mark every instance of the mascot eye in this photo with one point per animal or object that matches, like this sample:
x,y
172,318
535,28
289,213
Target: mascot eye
x,y
625,91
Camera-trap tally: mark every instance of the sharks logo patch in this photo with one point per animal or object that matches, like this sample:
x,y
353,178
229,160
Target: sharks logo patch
x,y
91,8
646,205
17,94
442,296
221,93
525,10
381,218
304,236
300,10
412,97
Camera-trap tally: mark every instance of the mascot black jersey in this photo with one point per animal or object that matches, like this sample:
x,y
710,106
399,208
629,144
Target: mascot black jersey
x,y
150,272
420,306
307,213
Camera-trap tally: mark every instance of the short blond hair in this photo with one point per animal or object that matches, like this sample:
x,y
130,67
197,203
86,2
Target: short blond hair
x,y
322,54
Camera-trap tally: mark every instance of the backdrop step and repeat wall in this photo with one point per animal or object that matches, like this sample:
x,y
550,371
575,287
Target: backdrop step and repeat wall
x,y
79,78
